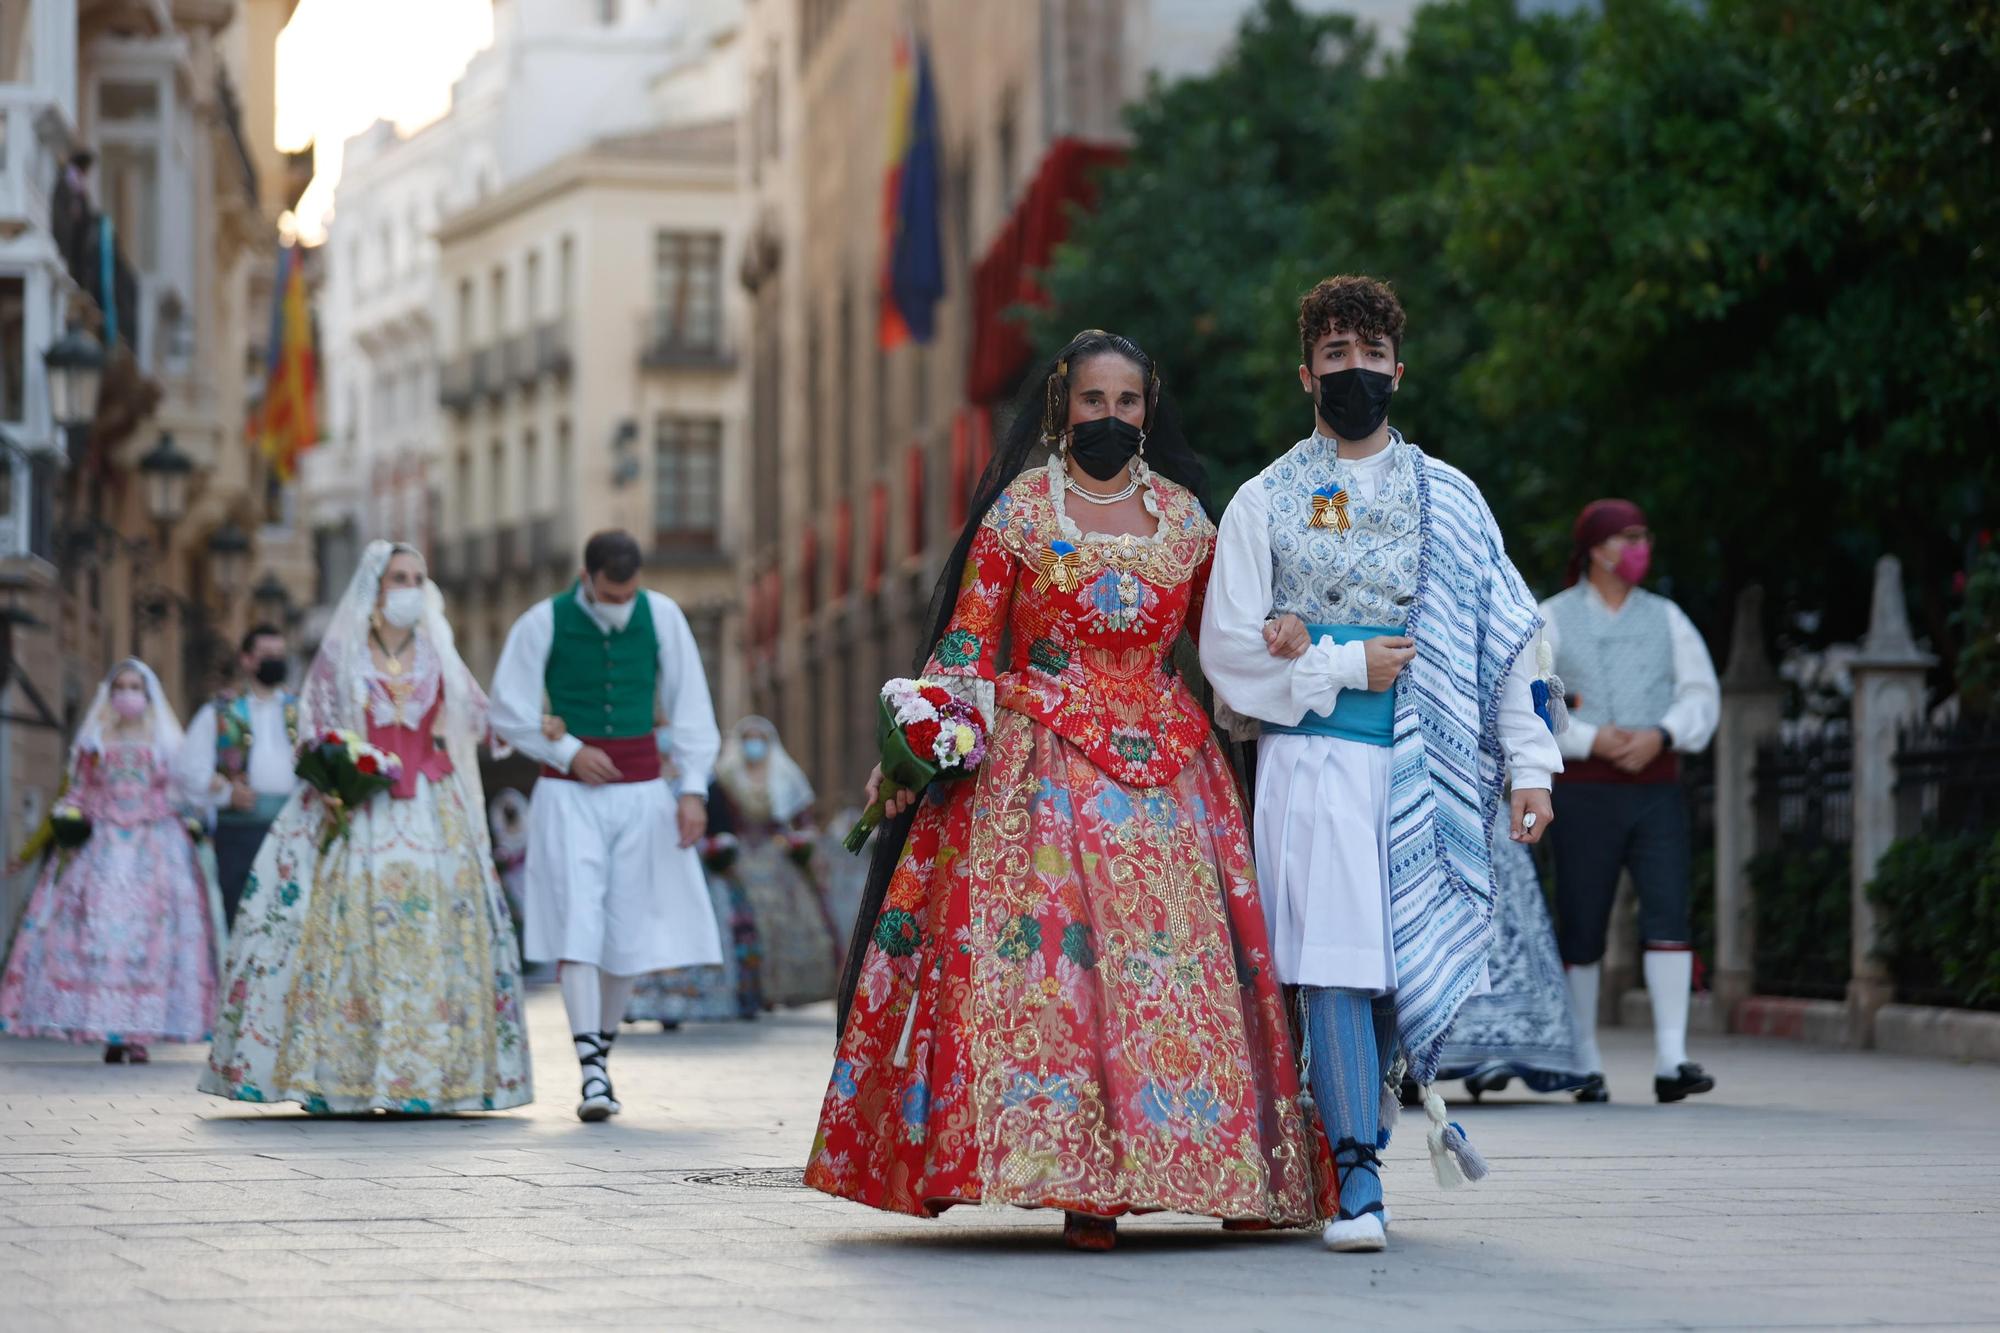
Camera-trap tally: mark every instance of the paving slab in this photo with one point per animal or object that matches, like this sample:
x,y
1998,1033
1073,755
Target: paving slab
x,y
1815,1189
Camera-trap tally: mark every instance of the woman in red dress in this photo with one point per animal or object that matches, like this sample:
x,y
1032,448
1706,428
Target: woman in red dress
x,y
1060,993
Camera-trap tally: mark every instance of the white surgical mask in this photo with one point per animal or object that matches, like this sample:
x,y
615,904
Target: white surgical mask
x,y
616,614
403,607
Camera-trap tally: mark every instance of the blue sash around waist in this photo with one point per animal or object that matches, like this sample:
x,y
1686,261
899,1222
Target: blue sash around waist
x,y
1366,716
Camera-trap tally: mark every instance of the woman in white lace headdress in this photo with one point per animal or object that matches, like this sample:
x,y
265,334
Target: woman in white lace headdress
x,y
769,801
116,943
384,974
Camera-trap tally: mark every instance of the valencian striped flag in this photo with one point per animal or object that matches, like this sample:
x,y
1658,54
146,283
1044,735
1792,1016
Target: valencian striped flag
x,y
912,250
289,418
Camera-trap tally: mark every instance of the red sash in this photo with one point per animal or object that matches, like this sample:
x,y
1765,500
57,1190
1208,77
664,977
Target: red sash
x,y
1664,768
637,757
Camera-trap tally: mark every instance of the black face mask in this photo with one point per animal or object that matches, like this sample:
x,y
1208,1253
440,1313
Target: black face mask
x,y
271,671
1103,447
1355,402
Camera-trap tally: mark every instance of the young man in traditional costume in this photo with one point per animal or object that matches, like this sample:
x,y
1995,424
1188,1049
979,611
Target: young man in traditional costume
x,y
237,760
614,887
1642,693
1364,611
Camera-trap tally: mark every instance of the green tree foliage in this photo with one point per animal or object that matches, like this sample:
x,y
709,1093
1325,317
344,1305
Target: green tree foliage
x,y
1734,260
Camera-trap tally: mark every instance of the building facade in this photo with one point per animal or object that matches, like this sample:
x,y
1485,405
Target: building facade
x,y
527,326
592,378
136,213
861,459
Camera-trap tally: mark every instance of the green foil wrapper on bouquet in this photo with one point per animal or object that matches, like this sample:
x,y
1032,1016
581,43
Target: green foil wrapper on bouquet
x,y
902,771
326,766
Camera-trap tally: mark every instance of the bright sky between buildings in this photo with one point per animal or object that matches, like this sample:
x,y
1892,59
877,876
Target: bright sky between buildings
x,y
345,64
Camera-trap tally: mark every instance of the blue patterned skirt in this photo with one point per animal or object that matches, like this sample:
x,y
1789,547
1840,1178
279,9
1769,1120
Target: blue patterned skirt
x,y
1522,1027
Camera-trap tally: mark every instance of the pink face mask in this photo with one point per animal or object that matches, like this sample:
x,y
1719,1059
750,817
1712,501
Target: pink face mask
x,y
1634,561
129,704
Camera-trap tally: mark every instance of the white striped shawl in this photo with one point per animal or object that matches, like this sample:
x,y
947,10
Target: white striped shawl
x,y
1472,618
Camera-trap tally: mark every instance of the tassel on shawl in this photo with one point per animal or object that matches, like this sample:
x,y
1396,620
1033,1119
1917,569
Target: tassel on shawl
x,y
1391,1108
1453,1157
1550,696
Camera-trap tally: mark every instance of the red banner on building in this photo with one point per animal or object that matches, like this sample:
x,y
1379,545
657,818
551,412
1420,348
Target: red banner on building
x,y
1005,277
919,503
843,548
878,537
809,569
962,474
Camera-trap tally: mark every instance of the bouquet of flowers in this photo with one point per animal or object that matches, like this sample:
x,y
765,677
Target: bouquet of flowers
x,y
800,849
347,771
925,734
718,853
68,826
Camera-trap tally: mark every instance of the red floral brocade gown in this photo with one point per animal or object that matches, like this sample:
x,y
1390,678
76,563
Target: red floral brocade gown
x,y
1069,1001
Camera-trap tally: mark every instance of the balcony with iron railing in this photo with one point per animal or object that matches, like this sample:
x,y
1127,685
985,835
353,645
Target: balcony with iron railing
x,y
28,158
522,367
510,549
669,341
448,563
478,556
27,508
455,390
487,377
552,349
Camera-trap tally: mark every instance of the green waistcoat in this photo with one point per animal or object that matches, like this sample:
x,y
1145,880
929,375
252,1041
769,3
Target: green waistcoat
x,y
602,685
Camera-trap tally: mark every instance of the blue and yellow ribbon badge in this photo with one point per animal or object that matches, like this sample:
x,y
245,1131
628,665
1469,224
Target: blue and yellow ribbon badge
x,y
1330,508
1062,565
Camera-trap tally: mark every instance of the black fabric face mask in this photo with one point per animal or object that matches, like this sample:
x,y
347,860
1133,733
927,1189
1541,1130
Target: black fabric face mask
x,y
271,671
1355,402
1103,447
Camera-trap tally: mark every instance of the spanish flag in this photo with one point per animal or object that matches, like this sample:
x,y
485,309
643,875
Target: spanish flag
x,y
912,251
289,423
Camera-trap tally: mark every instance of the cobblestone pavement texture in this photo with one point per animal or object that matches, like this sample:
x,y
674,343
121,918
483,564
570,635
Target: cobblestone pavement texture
x,y
1814,1189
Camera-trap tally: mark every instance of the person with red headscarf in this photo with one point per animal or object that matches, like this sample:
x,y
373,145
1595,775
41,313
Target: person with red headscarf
x,y
1642,692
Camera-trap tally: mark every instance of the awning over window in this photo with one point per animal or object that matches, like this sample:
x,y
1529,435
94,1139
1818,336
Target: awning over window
x,y
1005,277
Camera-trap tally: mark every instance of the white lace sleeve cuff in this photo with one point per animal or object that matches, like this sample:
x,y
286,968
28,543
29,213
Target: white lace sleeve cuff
x,y
975,690
1326,669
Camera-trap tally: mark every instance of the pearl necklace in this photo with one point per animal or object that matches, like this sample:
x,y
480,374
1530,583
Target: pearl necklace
x,y
1076,488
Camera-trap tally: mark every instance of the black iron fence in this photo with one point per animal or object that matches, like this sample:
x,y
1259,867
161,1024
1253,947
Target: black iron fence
x,y
1948,777
1800,877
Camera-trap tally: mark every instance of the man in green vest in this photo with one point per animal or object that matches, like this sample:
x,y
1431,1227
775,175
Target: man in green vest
x,y
614,887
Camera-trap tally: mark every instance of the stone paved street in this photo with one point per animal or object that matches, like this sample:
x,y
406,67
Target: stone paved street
x,y
1814,1190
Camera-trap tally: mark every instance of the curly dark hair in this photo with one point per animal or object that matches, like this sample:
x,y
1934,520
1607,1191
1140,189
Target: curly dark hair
x,y
1363,305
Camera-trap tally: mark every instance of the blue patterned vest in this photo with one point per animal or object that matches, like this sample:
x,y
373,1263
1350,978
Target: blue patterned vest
x,y
1618,669
1364,576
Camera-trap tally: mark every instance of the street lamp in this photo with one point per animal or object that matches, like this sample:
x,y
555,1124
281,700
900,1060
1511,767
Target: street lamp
x,y
166,471
272,600
229,554
75,364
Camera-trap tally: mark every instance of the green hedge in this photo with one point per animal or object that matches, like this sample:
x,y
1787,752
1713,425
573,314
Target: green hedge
x,y
1938,901
1804,919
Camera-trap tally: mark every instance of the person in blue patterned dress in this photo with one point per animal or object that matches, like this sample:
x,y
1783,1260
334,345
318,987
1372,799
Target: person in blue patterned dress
x,y
1522,1026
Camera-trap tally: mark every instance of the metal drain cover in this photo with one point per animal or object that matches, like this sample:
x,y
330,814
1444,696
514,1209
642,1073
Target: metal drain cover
x,y
748,1178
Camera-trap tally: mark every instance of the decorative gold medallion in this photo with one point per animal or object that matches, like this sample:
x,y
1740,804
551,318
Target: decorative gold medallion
x,y
1060,563
1330,508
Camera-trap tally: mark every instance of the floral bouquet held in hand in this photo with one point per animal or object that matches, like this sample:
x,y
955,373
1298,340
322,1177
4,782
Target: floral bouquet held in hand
x,y
925,734
347,771
69,826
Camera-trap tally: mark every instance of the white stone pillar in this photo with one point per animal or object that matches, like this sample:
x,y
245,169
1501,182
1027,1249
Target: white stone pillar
x,y
1888,696
1752,705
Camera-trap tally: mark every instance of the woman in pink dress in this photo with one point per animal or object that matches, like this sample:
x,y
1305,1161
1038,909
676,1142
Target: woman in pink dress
x,y
381,975
116,944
